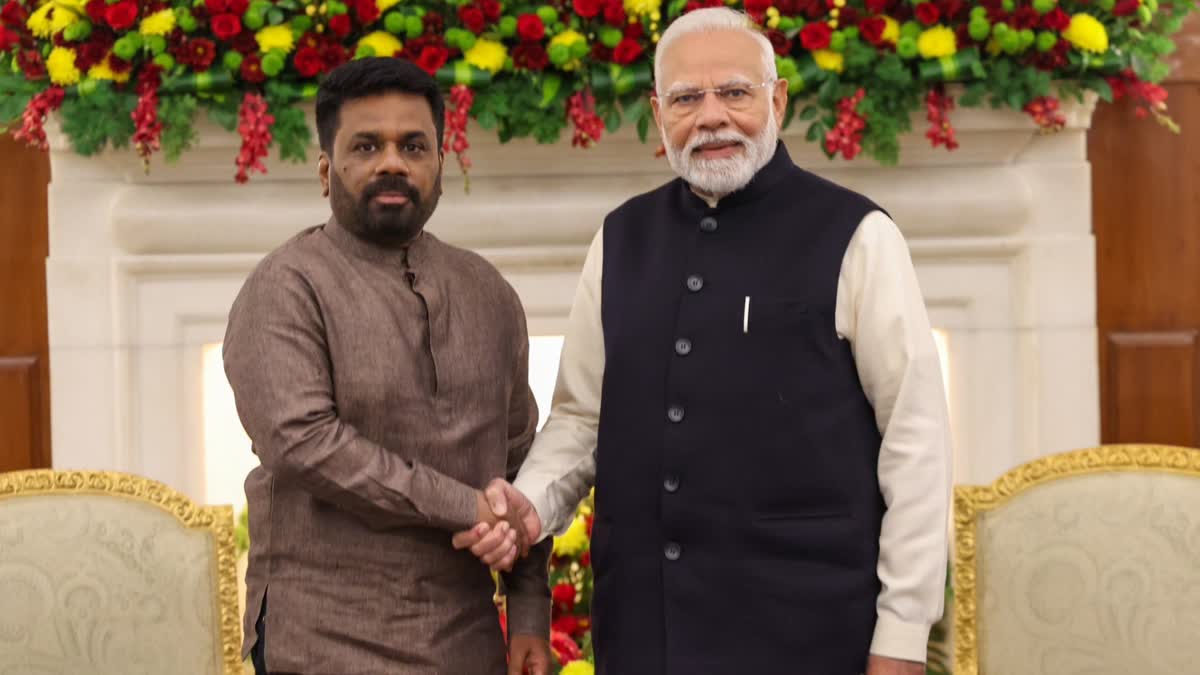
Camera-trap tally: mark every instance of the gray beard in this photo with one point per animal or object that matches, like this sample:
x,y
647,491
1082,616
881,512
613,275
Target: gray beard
x,y
719,177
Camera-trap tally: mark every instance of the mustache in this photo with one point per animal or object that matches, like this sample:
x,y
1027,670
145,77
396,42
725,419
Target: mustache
x,y
396,184
706,137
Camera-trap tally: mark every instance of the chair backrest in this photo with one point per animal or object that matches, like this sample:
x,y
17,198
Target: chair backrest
x,y
1087,562
111,574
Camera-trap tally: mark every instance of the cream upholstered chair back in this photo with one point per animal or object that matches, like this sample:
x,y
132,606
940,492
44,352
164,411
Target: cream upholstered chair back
x,y
1084,563
111,574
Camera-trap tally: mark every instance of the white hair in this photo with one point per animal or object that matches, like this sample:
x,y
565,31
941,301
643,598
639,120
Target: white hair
x,y
711,20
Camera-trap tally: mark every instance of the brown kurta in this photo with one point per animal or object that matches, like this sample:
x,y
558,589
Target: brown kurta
x,y
380,388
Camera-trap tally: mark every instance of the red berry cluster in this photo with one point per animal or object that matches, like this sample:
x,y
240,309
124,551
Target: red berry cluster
x,y
147,134
455,136
937,108
1044,111
1149,98
254,126
846,135
581,108
33,120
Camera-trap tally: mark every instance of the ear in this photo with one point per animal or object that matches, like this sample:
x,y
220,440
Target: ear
x,y
656,106
323,172
779,98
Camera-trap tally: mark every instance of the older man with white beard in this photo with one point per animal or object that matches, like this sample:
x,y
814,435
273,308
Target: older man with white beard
x,y
749,380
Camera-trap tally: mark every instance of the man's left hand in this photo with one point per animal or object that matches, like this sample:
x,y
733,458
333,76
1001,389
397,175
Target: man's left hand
x,y
528,655
882,665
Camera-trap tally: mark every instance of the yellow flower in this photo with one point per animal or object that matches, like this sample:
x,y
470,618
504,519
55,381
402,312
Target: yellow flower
x,y
384,43
891,30
61,66
486,54
158,23
104,71
641,7
578,668
828,59
385,5
275,37
937,42
39,23
566,39
574,541
1087,33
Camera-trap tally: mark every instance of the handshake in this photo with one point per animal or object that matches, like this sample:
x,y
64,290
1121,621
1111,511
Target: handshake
x,y
508,525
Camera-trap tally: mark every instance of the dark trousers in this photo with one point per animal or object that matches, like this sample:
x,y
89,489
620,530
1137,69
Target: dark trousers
x,y
258,653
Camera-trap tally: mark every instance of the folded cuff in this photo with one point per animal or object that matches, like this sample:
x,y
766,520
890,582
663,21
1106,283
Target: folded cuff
x,y
898,639
529,615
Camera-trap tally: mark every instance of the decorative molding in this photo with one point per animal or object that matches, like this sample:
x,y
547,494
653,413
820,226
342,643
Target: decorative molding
x,y
972,501
217,520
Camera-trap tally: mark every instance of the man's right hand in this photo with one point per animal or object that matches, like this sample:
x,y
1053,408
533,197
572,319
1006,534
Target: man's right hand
x,y
508,526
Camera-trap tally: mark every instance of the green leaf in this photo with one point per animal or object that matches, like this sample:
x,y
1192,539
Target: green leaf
x,y
1100,86
639,108
643,127
612,119
973,95
99,119
177,114
551,84
675,8
223,111
815,131
275,16
808,113
488,120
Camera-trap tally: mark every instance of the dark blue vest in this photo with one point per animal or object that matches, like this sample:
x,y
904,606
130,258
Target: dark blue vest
x,y
738,505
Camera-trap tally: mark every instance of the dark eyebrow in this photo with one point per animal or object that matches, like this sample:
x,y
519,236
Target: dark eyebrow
x,y
415,136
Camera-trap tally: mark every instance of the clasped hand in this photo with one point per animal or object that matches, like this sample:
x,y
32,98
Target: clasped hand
x,y
507,526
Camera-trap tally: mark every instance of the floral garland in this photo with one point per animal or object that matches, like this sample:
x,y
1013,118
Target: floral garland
x,y
138,71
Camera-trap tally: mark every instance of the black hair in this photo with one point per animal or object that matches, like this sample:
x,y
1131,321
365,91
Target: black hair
x,y
372,76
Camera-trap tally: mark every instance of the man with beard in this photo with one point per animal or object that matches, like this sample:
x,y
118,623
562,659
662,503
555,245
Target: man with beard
x,y
382,377
750,382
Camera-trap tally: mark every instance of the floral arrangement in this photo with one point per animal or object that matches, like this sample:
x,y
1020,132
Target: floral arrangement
x,y
571,594
137,72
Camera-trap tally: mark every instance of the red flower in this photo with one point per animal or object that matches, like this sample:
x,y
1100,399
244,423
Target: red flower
x,y
872,30
567,624
200,53
340,25
95,10
216,7
1125,7
121,15
8,39
757,7
1026,17
633,31
564,647
587,8
530,27
781,42
626,52
119,65
877,6
1056,20
433,23
601,53
367,11
585,560
589,521
816,36
928,13
334,54
564,595
308,61
244,43
951,8
472,18
614,13
433,58
15,15
531,56
31,64
491,9
226,26
237,6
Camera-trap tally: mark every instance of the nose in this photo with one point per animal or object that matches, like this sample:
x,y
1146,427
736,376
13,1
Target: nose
x,y
713,114
392,161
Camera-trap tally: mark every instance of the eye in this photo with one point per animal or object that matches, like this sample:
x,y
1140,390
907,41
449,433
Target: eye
x,y
414,148
365,146
685,98
734,93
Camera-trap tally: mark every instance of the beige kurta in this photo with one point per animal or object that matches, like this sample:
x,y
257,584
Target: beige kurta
x,y
380,389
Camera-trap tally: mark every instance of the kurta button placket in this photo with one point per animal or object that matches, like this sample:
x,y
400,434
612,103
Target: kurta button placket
x,y
695,282
708,224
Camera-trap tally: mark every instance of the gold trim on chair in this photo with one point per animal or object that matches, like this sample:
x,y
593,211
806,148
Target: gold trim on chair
x,y
216,519
971,501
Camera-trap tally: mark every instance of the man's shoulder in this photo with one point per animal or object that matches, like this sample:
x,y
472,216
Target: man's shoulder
x,y
468,266
293,257
644,201
804,184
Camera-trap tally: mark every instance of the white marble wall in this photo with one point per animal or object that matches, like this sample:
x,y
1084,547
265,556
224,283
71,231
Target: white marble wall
x,y
143,268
